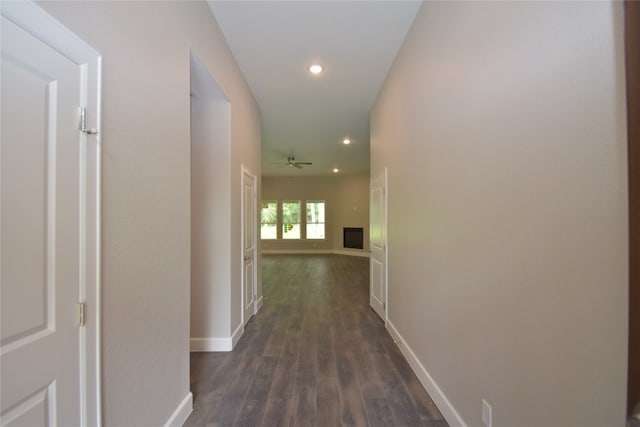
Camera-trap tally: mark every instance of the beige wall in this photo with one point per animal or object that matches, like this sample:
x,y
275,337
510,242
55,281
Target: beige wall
x,y
210,219
347,205
145,48
503,128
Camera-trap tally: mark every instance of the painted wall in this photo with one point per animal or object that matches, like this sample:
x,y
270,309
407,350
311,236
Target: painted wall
x,y
347,205
146,191
503,127
210,219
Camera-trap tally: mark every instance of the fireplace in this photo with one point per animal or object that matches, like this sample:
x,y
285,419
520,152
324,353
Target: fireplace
x,y
353,237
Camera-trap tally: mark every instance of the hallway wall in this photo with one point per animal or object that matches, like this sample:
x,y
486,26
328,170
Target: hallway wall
x,y
210,219
503,128
146,191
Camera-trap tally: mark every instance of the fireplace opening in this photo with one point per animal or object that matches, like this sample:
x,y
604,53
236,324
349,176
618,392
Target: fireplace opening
x,y
353,237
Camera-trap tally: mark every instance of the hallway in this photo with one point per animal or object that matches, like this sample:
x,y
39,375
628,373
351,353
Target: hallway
x,y
316,354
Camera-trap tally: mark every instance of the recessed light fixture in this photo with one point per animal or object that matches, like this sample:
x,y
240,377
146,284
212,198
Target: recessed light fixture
x,y
336,170
315,69
346,141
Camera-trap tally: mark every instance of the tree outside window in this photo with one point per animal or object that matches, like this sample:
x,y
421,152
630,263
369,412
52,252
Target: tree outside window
x,y
269,219
315,219
291,219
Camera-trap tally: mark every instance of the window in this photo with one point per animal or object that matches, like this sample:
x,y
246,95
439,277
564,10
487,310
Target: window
x,y
291,219
269,219
315,220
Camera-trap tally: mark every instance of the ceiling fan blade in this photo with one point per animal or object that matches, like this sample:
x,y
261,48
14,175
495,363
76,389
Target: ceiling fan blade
x,y
291,161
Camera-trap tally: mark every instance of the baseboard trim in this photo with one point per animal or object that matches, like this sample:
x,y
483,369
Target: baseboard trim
x,y
296,251
444,405
259,304
362,254
235,337
216,344
180,415
210,344
316,252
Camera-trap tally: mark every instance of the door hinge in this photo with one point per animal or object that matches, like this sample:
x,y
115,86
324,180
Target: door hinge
x,y
81,314
83,123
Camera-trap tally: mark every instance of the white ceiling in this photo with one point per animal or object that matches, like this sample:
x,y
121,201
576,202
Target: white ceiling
x,y
308,116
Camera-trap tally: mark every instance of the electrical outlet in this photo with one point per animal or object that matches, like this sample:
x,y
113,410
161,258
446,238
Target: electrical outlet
x,y
486,413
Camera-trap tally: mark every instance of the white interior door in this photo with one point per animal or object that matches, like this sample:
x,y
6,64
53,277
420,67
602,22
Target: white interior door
x,y
249,216
48,254
378,243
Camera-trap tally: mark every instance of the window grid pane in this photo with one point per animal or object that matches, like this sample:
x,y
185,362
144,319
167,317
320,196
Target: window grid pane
x,y
269,219
315,220
291,219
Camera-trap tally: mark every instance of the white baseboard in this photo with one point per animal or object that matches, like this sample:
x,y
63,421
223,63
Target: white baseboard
x,y
180,415
216,344
259,303
448,411
316,252
355,252
235,337
296,251
210,344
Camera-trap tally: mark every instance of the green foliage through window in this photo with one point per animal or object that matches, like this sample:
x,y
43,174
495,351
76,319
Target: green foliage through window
x,y
291,219
269,219
315,220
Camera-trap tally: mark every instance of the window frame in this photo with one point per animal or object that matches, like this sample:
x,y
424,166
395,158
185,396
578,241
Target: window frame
x,y
293,224
275,224
302,220
323,222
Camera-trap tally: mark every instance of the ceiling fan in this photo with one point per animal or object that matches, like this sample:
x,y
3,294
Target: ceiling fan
x,y
291,161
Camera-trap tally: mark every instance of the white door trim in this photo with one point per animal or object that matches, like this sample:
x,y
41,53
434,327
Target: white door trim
x,y
244,171
37,22
386,246
380,179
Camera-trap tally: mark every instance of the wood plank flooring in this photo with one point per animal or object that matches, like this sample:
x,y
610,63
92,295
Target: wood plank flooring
x,y
315,355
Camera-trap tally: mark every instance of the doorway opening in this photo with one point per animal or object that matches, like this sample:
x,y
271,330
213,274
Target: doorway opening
x,y
210,258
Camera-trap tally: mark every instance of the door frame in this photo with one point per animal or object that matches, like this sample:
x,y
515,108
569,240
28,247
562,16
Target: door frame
x,y
383,176
632,65
43,26
254,271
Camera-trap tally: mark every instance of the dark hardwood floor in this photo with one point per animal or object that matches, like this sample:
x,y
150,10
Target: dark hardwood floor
x,y
315,355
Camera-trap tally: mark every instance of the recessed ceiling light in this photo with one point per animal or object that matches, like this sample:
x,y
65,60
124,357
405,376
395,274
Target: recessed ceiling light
x,y
346,141
336,170
315,69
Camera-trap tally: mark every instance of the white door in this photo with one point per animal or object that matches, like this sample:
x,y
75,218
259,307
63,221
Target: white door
x,y
249,216
378,243
48,225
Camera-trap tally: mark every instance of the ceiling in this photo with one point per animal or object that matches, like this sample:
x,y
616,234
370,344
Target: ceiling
x,y
303,115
